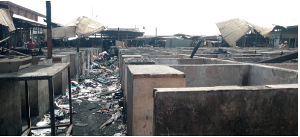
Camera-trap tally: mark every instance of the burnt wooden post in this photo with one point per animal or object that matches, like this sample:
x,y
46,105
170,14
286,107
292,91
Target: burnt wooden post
x,y
49,33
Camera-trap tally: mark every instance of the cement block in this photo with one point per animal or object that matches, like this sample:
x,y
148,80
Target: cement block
x,y
227,110
141,81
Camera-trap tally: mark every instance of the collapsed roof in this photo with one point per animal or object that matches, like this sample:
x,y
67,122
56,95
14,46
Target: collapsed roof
x,y
86,26
232,30
6,20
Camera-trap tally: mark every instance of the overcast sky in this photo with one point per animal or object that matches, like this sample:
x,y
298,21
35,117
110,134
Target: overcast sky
x,y
192,17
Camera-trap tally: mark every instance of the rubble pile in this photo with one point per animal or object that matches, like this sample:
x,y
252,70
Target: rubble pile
x,y
96,97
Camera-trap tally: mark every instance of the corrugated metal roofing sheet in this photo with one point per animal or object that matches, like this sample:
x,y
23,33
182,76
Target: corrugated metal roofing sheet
x,y
86,26
30,20
232,30
61,32
6,20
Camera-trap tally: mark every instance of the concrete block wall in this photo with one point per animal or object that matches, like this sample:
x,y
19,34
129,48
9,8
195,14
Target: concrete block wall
x,y
141,81
262,75
60,82
198,60
227,110
132,61
10,108
208,75
122,67
33,97
38,97
247,59
293,66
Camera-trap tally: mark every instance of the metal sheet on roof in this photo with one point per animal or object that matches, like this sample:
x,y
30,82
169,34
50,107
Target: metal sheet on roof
x,y
86,26
6,20
30,20
62,32
232,30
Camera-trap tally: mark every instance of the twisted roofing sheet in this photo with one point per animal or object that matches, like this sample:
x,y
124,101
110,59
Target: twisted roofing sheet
x,y
6,20
232,30
86,26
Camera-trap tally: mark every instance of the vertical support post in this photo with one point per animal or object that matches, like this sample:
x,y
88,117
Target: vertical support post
x,y
27,104
10,40
49,33
256,38
51,101
280,38
155,32
95,40
78,43
101,42
70,95
31,33
118,32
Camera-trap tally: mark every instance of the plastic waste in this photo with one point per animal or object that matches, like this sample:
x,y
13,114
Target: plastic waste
x,y
116,115
117,134
43,123
41,132
59,115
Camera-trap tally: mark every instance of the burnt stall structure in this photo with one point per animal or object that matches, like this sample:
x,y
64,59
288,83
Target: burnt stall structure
x,y
287,35
114,37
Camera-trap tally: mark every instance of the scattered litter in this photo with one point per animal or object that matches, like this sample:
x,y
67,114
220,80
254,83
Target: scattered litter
x,y
43,123
117,134
121,127
79,124
41,132
114,117
65,121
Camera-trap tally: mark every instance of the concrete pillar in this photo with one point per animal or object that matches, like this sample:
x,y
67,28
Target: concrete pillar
x,y
141,81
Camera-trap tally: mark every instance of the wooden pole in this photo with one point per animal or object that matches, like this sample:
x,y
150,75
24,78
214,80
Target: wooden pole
x,y
49,33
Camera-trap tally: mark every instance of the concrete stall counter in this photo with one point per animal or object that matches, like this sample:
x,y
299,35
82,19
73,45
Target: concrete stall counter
x,y
141,81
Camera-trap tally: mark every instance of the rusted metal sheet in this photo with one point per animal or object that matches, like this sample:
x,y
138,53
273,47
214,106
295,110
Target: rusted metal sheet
x,y
6,20
232,30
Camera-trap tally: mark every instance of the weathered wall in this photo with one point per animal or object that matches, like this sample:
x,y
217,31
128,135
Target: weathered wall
x,y
293,66
198,60
214,74
60,82
247,59
140,94
122,67
10,108
43,97
33,97
174,42
227,110
262,75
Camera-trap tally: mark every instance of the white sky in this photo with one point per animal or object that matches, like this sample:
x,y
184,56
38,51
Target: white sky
x,y
192,17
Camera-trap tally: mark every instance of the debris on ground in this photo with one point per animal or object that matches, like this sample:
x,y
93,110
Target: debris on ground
x,y
95,96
